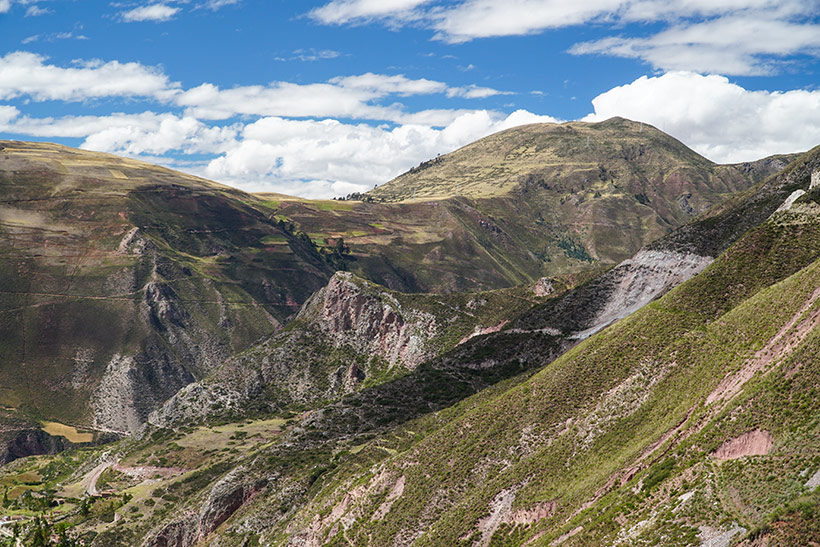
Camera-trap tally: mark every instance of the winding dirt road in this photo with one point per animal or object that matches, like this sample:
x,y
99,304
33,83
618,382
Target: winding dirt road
x,y
91,478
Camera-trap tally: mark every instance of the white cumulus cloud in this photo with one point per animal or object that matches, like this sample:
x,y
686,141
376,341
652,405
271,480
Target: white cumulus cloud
x,y
380,85
322,158
153,12
28,74
474,92
485,18
127,134
471,19
7,114
719,119
741,45
25,74
341,97
280,99
344,11
739,37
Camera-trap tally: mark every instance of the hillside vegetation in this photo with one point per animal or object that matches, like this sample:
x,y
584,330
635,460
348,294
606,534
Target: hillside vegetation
x,y
122,282
532,201
668,400
692,419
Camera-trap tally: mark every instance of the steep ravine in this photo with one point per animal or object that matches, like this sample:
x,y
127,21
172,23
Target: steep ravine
x,y
628,286
349,335
347,316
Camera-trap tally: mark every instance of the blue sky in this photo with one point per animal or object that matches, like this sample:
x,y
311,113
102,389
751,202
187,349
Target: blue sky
x,y
322,98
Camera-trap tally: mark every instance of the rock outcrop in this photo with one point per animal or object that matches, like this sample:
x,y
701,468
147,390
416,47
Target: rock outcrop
x,y
637,281
355,313
624,289
753,443
347,332
797,194
225,497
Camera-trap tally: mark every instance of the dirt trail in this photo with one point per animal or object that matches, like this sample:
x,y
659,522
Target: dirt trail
x,y
480,331
775,350
791,335
6,532
91,478
145,473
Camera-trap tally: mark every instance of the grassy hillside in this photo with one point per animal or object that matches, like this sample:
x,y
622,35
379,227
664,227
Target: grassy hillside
x,y
621,439
527,202
615,441
692,420
120,282
565,156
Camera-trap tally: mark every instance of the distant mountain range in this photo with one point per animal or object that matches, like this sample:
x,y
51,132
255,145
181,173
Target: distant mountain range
x,y
576,334
532,201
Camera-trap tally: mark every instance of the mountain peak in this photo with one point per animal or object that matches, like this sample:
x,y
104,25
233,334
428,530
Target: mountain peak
x,y
500,163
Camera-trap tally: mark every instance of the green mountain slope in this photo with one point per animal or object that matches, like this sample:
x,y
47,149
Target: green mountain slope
x,y
121,282
374,418
524,203
569,157
692,420
620,441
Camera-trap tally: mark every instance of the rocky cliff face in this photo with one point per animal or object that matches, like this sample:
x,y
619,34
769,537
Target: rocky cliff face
x,y
17,444
349,312
347,333
634,283
224,498
180,345
372,322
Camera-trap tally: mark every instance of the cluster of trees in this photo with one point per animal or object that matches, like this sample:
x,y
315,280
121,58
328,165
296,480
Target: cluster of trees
x,y
39,532
359,196
335,251
336,254
40,503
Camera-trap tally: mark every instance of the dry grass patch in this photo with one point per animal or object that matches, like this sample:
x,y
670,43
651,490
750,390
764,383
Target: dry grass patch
x,y
61,430
243,434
